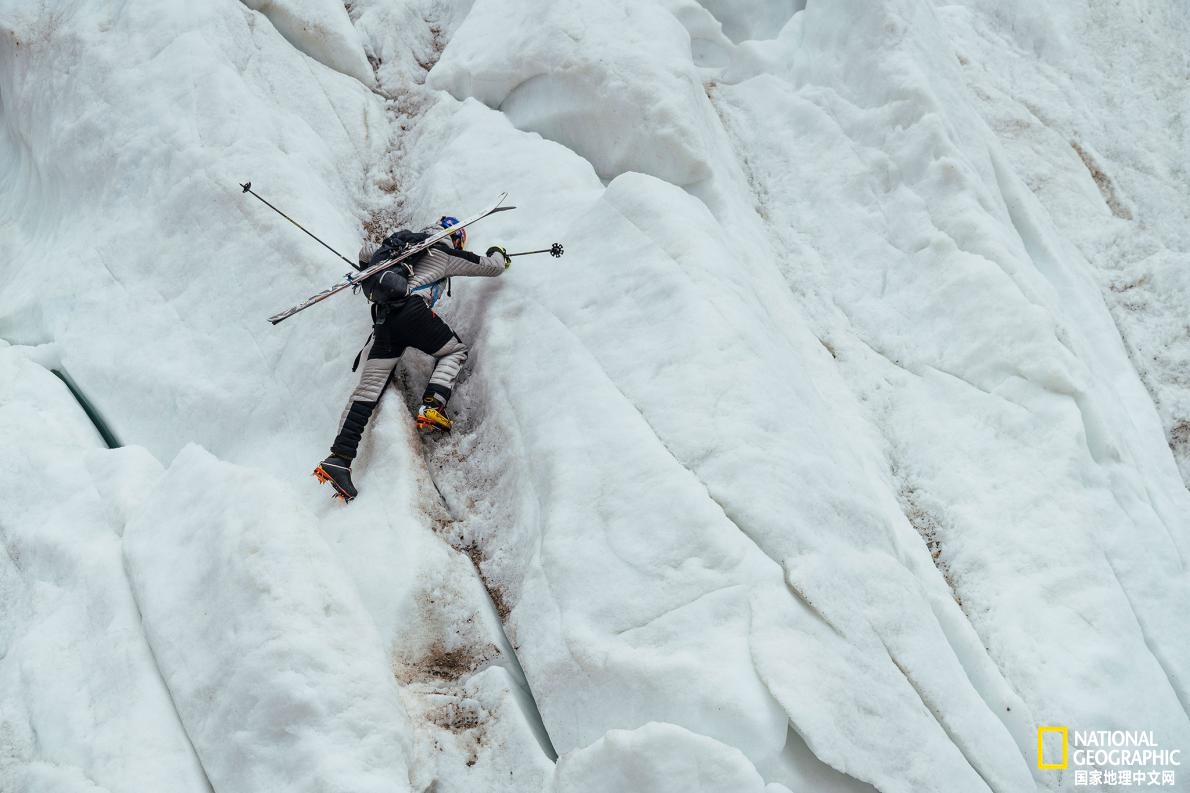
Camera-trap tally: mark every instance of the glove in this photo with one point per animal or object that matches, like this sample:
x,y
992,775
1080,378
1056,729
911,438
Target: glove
x,y
502,252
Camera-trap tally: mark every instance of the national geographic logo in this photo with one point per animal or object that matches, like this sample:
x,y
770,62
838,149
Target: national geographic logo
x,y
1108,757
1041,731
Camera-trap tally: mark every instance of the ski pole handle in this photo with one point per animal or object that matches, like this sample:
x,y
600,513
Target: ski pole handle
x,y
554,250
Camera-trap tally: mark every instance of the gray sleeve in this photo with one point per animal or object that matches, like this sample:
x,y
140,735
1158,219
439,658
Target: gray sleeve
x,y
491,265
464,263
438,264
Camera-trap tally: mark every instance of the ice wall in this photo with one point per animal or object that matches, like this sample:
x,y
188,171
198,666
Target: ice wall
x,y
82,706
839,452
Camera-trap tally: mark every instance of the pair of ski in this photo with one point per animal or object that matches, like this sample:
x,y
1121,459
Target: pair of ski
x,y
352,279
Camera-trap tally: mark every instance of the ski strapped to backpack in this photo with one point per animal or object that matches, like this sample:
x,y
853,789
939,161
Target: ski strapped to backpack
x,y
390,287
355,279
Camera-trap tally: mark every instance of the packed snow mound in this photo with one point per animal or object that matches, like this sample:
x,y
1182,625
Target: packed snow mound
x,y
839,452
322,30
279,687
659,757
747,20
632,102
82,707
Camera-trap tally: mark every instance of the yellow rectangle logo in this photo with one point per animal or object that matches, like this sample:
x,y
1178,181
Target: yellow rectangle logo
x,y
1041,731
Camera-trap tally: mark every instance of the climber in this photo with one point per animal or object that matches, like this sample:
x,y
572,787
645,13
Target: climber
x,y
401,300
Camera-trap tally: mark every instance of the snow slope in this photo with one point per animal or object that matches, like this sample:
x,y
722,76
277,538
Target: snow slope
x,y
839,452
79,680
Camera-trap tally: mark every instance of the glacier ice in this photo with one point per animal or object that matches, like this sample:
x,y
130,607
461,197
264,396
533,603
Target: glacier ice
x,y
846,446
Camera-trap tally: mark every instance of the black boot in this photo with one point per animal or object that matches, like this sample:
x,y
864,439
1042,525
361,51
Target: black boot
x,y
337,471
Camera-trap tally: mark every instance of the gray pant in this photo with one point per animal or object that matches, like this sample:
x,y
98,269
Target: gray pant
x,y
378,371
414,326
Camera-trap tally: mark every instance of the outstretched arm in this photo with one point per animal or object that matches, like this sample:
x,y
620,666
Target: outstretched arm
x,y
463,263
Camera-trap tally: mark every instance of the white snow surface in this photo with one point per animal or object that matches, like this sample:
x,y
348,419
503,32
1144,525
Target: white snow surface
x,y
846,446
279,687
322,30
82,707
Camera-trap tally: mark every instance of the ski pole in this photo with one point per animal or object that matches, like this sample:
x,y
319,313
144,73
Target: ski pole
x,y
554,250
248,189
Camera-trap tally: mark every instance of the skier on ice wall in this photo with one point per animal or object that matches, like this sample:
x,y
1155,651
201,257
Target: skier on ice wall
x,y
404,319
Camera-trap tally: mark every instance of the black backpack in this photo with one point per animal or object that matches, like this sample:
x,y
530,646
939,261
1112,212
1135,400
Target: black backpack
x,y
391,286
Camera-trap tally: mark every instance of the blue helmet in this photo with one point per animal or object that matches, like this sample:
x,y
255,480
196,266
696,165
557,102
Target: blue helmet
x,y
459,238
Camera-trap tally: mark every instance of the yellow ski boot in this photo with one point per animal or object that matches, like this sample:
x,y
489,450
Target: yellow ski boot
x,y
431,415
